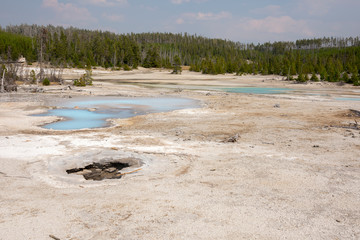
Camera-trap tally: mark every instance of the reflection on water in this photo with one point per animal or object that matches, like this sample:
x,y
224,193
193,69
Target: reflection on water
x,y
258,90
94,112
76,119
347,99
242,89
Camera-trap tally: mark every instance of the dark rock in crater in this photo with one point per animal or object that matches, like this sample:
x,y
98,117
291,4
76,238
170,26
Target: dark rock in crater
x,y
99,171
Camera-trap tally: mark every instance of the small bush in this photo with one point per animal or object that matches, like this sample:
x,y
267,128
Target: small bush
x,y
84,80
301,78
79,82
345,77
46,82
306,78
32,77
126,67
314,78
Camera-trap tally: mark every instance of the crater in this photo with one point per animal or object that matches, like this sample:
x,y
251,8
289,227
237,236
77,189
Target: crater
x,y
98,171
91,167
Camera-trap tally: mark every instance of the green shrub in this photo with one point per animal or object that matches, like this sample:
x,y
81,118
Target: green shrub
x,y
355,79
314,78
345,77
79,82
32,77
84,80
301,78
126,67
46,82
306,78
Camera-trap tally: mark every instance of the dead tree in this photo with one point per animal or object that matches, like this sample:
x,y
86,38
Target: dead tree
x,y
9,73
43,37
2,81
55,75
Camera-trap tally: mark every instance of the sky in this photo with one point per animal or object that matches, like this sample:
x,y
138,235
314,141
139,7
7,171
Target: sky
x,y
255,21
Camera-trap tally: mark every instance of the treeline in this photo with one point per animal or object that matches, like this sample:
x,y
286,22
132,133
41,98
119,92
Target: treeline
x,y
12,46
330,59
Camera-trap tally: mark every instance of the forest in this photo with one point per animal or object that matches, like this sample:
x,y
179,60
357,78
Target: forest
x,y
326,59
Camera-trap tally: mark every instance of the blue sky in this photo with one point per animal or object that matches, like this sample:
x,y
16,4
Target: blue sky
x,y
238,20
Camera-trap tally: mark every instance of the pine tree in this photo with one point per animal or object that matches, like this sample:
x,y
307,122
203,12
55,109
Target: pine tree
x,y
323,75
314,78
177,65
355,79
306,78
152,58
345,78
301,78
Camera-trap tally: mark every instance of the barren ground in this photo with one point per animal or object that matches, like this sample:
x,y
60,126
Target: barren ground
x,y
293,173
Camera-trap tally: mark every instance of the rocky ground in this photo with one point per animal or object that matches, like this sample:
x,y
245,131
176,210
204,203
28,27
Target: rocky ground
x,y
240,166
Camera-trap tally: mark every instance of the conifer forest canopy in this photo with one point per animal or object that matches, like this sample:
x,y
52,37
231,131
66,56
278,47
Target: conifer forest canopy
x,y
332,59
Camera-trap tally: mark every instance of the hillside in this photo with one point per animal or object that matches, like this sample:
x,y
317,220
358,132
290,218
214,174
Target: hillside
x,y
333,59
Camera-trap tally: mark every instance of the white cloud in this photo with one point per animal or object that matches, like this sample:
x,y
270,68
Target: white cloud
x,y
106,2
277,25
317,7
179,1
320,8
149,8
180,21
68,12
271,10
114,18
186,1
200,16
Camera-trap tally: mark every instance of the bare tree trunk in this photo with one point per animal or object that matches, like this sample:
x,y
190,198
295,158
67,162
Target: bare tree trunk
x,y
2,81
42,40
41,69
60,73
115,58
